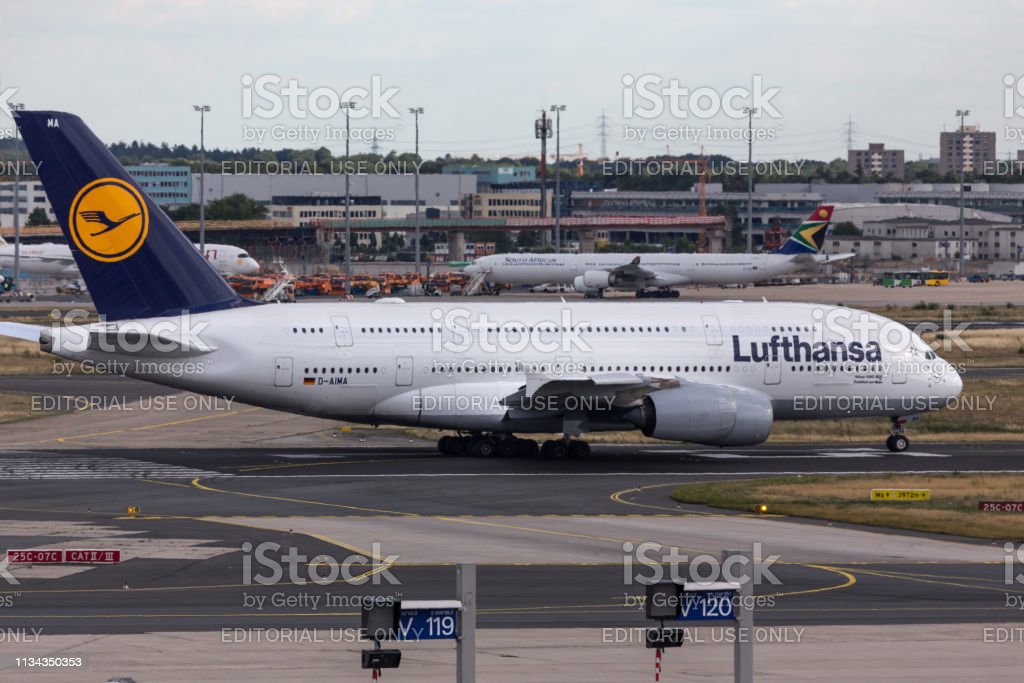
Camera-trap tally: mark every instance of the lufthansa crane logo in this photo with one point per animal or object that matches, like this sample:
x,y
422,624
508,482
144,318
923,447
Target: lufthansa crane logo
x,y
109,220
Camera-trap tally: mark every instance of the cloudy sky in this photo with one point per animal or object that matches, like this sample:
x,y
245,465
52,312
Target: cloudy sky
x,y
482,71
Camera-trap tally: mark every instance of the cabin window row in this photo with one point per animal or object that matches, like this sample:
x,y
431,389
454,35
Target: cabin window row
x,y
469,369
584,328
347,370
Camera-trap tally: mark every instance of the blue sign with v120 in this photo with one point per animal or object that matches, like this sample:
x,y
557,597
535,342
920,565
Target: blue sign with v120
x,y
712,605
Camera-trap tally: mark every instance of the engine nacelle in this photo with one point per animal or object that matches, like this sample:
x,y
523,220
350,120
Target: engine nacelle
x,y
597,279
708,414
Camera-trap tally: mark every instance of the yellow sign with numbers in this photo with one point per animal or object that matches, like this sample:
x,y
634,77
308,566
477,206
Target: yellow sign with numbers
x,y
901,494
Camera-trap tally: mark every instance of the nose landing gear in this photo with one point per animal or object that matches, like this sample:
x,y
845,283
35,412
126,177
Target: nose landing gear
x,y
897,441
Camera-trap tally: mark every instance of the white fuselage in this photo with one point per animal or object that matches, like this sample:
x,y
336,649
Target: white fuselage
x,y
426,364
55,260
673,269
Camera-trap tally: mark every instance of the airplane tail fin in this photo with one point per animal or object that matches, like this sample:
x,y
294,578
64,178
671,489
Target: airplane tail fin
x,y
809,238
134,260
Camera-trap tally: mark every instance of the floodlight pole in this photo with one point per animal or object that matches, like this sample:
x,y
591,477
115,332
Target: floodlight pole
x,y
750,111
347,106
17,204
558,109
416,111
202,109
962,266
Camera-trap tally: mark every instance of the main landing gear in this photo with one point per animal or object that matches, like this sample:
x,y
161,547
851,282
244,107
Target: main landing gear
x,y
484,446
897,441
660,293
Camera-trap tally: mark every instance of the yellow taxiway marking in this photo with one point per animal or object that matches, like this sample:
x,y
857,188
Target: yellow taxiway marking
x,y
199,485
681,512
284,466
188,420
910,577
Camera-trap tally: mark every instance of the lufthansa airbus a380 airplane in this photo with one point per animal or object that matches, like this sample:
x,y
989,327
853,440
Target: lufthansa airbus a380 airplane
x,y
710,373
653,275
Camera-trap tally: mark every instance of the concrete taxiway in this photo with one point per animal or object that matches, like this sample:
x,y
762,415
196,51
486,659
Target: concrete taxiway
x,y
555,542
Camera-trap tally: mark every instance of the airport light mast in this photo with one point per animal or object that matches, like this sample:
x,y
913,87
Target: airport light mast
x,y
202,109
347,106
962,268
750,111
542,131
17,205
416,111
558,109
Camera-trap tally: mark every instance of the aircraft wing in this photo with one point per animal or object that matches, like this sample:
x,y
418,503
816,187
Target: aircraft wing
x,y
22,331
633,273
634,270
832,258
623,389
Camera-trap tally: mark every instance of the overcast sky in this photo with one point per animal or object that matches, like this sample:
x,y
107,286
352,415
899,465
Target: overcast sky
x,y
482,71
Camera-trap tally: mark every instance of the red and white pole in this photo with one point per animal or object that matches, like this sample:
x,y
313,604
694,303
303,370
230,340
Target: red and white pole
x,y
657,665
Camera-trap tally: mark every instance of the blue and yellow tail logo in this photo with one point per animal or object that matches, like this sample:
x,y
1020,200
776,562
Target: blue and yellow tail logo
x,y
109,220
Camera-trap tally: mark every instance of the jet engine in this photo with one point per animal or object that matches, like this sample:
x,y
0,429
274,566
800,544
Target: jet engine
x,y
596,279
707,414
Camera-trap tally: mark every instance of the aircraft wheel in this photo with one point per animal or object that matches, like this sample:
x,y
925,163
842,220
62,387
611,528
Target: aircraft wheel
x,y
483,447
508,448
457,445
579,449
640,294
675,293
555,449
897,443
444,445
528,448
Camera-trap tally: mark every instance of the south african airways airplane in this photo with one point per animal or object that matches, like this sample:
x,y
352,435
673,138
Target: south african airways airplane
x,y
654,275
718,374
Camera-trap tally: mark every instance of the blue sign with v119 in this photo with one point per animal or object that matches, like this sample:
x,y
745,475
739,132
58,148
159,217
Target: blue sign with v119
x,y
712,605
429,624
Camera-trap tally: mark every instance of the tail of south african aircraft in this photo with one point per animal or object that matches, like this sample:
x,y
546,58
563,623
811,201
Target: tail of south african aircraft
x,y
134,259
809,238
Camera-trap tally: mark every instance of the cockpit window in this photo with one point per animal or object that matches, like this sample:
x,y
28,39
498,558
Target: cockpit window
x,y
930,355
243,255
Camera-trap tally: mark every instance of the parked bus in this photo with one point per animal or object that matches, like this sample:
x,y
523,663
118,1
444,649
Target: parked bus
x,y
935,278
901,279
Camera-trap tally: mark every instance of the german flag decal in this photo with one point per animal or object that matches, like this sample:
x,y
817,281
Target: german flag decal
x,y
309,381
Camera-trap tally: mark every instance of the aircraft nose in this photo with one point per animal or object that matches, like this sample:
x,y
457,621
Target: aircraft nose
x,y
954,381
472,269
251,266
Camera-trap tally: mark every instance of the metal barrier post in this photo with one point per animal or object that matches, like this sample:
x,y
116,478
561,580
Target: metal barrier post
x,y
465,588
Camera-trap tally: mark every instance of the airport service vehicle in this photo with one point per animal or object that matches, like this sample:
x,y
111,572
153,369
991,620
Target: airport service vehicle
x,y
654,275
718,374
55,260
